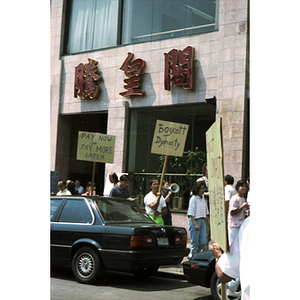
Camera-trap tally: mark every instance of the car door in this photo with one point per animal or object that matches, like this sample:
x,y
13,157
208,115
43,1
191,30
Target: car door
x,y
71,224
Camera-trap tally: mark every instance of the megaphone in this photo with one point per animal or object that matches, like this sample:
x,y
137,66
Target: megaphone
x,y
174,188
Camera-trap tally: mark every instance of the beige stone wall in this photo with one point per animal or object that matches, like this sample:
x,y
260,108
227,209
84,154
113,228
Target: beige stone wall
x,y
220,70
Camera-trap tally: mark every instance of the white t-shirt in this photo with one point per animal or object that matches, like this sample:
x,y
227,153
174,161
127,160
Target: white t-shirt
x,y
248,197
236,263
64,192
150,198
229,192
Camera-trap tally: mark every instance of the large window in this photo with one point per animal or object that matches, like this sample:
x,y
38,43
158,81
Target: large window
x,y
96,24
93,24
146,20
199,117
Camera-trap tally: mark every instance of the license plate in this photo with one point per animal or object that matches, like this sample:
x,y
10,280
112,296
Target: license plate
x,y
162,241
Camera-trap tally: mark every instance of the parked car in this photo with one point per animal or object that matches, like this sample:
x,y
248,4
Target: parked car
x,y
95,234
201,270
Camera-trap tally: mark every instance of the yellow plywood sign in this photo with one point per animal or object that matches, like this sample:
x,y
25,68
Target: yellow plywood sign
x,y
214,149
96,147
169,138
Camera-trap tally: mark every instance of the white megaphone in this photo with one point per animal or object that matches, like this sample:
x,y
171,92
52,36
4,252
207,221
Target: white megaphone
x,y
174,188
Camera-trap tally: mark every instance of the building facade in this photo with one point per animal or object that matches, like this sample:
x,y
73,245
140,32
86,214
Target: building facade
x,y
118,66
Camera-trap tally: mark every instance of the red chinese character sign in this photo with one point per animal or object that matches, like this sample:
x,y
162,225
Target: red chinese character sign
x,y
179,68
86,77
132,69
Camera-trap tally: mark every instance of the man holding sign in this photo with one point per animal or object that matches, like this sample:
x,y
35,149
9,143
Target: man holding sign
x,y
155,204
168,139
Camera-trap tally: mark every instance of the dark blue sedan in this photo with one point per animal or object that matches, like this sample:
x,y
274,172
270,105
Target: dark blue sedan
x,y
95,234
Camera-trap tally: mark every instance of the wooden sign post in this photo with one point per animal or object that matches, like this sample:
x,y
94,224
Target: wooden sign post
x,y
163,173
218,224
95,147
168,139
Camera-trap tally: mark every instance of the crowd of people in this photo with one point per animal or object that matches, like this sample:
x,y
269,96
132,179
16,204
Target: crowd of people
x,y
237,207
119,189
159,211
69,187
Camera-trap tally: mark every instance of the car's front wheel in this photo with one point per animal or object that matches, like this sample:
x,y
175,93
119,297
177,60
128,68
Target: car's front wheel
x,y
233,290
87,266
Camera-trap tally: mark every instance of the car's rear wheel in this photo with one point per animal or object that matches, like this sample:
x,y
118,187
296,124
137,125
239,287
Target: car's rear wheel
x,y
87,266
233,291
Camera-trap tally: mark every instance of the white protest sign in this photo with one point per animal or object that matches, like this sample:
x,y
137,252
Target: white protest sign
x,y
95,147
169,138
214,149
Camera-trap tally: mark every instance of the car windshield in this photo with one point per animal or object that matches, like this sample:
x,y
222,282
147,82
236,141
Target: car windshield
x,y
115,210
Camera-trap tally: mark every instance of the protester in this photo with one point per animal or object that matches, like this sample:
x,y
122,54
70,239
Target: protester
x,y
236,210
120,189
206,196
205,178
62,185
78,187
236,263
167,194
229,190
155,204
198,213
113,178
71,188
89,190
111,181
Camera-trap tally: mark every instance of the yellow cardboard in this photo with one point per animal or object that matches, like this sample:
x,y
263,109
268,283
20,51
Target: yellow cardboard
x,y
95,147
214,149
169,138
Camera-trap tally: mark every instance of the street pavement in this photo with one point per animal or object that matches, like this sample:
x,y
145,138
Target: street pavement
x,y
169,282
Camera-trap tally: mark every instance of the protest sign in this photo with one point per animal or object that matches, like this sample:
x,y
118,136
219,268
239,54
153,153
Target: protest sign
x,y
214,149
169,138
95,147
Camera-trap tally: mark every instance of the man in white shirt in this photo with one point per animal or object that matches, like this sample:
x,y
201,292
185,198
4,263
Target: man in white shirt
x,y
236,263
155,204
62,185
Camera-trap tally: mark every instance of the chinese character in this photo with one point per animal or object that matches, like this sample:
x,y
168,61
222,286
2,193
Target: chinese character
x,y
132,70
179,68
85,80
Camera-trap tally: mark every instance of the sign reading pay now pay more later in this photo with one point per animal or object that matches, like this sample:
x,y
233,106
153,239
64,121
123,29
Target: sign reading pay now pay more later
x,y
95,147
169,138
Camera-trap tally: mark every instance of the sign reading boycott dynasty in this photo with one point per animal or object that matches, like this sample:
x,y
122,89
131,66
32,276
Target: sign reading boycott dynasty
x,y
169,138
96,147
214,151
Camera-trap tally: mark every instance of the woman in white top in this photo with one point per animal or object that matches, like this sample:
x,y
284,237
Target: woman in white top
x,y
198,212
